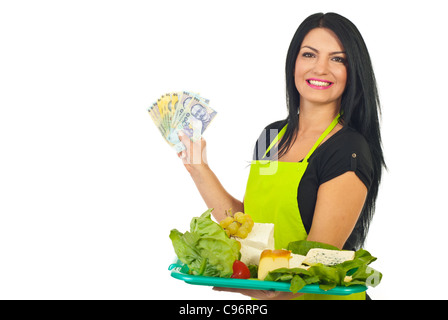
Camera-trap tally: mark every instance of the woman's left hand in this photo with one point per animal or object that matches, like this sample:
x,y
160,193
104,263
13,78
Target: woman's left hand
x,y
261,294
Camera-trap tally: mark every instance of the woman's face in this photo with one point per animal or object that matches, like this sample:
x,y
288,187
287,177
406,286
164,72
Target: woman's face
x,y
321,73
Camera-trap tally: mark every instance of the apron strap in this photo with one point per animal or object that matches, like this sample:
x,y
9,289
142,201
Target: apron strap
x,y
318,142
278,137
322,137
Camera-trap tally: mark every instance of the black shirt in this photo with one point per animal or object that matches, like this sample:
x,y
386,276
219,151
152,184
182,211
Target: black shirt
x,y
346,150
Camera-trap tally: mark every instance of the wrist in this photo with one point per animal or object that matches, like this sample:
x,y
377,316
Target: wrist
x,y
199,170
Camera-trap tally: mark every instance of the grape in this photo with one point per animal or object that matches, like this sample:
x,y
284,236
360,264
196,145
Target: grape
x,y
249,224
226,222
233,227
240,217
242,232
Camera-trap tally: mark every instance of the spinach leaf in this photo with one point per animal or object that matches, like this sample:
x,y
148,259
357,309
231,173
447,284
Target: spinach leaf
x,y
297,283
364,275
303,246
253,269
329,277
299,277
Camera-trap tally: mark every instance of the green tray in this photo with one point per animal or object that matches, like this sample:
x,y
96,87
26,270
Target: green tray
x,y
180,270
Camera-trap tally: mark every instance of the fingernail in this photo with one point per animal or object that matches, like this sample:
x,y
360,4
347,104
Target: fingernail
x,y
183,155
181,133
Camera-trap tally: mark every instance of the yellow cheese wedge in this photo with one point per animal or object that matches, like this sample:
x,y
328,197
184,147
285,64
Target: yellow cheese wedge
x,y
271,260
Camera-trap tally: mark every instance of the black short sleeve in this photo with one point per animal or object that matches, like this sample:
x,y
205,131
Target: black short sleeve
x,y
348,151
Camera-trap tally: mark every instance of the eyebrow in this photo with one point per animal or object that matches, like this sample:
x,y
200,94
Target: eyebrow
x,y
317,51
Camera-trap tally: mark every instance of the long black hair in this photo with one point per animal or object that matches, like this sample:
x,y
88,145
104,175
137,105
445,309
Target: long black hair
x,y
360,105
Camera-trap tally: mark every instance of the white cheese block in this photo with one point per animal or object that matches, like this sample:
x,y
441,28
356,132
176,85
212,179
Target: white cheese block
x,y
250,255
328,257
261,237
296,261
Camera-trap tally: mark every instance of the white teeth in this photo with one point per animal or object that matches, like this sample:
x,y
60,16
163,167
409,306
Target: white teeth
x,y
319,83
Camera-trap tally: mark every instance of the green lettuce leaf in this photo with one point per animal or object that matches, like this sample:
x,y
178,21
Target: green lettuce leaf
x,y
206,249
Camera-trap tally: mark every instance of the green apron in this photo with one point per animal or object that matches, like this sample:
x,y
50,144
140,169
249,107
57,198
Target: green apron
x,y
271,197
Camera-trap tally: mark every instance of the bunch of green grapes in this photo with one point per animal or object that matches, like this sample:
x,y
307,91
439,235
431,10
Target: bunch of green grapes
x,y
238,225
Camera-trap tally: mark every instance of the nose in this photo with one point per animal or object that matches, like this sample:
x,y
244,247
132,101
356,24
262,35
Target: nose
x,y
321,66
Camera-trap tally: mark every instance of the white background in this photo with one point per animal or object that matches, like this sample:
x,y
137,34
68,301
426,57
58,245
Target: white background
x,y
89,191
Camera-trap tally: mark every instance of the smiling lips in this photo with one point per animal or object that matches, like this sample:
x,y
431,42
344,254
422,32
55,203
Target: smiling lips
x,y
319,84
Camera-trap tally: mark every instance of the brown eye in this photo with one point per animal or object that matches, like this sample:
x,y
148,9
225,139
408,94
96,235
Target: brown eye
x,y
308,55
339,59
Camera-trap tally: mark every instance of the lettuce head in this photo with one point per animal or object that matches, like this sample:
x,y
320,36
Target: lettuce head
x,y
206,249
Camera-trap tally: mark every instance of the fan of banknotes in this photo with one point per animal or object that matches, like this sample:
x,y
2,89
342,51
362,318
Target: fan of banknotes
x,y
184,111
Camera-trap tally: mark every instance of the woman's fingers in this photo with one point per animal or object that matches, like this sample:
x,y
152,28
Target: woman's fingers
x,y
186,142
195,151
184,139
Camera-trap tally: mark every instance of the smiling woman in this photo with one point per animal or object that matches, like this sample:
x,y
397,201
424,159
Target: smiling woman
x,y
315,174
329,47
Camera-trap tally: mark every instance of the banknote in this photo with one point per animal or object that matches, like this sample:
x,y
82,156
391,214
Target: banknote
x,y
184,111
195,118
183,103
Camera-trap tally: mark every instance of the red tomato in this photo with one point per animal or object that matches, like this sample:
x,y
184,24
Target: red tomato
x,y
240,270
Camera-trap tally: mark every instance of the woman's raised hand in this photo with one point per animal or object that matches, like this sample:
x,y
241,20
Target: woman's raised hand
x,y
194,156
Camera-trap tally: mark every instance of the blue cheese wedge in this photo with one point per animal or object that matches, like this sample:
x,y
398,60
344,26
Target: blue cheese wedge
x,y
328,257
